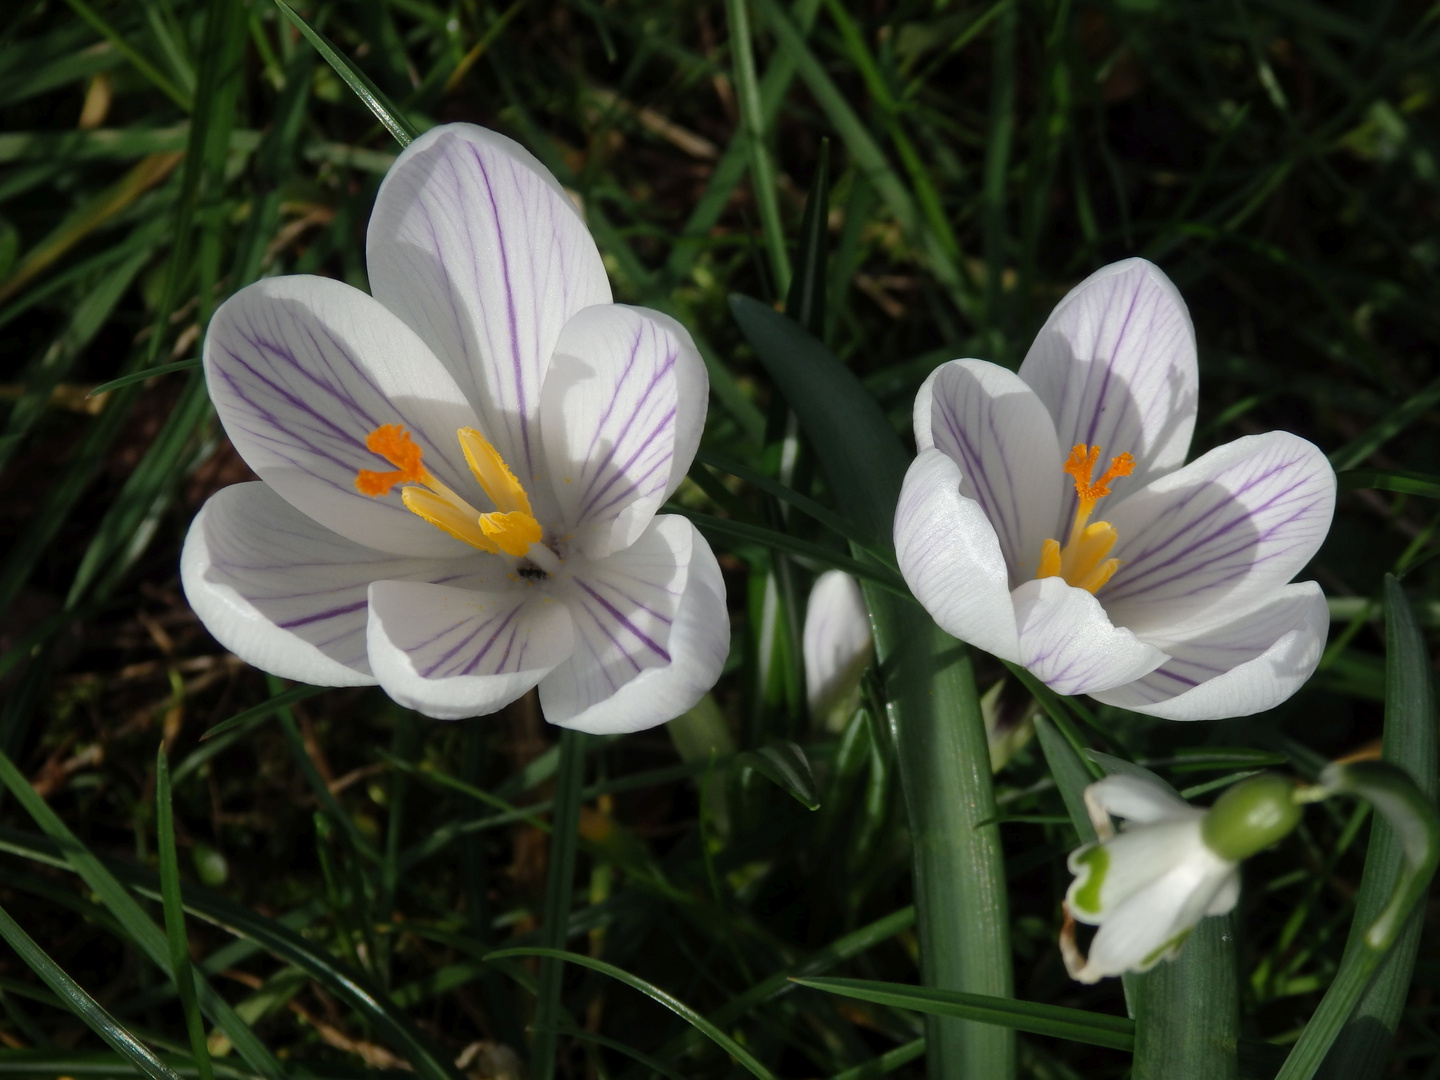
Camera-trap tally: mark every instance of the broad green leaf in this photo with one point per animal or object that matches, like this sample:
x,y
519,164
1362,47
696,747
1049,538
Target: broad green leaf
x,y
933,706
786,764
1361,1047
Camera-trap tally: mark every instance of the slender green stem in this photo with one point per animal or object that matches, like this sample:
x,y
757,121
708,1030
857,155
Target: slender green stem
x,y
559,882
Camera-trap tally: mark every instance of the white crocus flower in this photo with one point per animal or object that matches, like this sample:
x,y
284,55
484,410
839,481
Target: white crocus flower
x,y
1177,603
461,472
836,644
1147,886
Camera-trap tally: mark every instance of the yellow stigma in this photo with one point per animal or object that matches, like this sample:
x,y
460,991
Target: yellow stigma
x,y
511,528
1082,562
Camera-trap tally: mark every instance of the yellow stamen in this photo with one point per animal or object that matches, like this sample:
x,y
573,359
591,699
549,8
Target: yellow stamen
x,y
511,528
1082,562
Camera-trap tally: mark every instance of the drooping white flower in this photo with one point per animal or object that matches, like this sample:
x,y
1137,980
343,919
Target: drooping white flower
x,y
1147,886
461,472
836,644
1178,604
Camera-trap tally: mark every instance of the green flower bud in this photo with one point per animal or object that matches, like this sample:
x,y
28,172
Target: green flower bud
x,y
1251,816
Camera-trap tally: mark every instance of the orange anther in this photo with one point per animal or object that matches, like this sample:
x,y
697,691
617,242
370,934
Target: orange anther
x,y
394,444
1083,460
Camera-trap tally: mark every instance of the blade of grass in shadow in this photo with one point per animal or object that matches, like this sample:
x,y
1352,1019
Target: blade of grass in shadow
x,y
1077,1025
174,911
654,993
270,934
132,917
559,883
318,787
867,155
885,1064
137,60
1361,1048
82,1004
752,123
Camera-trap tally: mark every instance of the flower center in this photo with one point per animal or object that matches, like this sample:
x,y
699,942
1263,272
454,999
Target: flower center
x,y
1082,562
511,528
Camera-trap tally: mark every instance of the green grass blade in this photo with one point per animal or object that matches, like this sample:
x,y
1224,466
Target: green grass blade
x,y
559,883
174,909
128,912
866,153
1079,1025
805,302
369,94
1361,1047
786,765
886,1063
82,1004
752,121
1406,483
137,60
147,373
654,993
272,935
1400,418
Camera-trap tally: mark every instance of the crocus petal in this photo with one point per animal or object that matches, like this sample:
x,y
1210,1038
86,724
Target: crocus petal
x,y
836,642
452,652
301,371
651,634
279,590
993,426
1241,667
474,244
622,408
1069,643
1137,800
951,559
1115,365
1148,927
1218,537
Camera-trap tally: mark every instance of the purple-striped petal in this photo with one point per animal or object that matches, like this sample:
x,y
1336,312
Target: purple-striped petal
x,y
1241,667
1115,365
622,409
280,591
651,634
452,652
1218,537
949,555
301,371
992,425
1067,641
476,246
